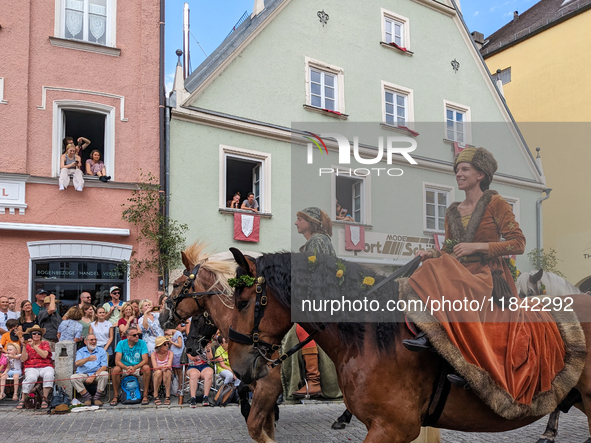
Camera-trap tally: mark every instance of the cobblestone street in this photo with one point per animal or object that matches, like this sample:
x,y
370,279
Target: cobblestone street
x,y
298,423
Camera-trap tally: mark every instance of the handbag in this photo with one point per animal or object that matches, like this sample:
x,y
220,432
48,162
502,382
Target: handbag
x,y
60,397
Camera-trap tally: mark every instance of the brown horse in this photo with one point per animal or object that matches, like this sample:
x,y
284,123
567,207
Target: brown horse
x,y
384,385
212,276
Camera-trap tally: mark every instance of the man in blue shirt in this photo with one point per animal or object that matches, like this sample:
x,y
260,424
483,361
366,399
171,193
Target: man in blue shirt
x,y
91,367
131,358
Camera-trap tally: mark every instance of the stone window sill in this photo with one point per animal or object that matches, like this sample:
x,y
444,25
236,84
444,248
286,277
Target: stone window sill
x,y
229,211
396,49
326,112
84,46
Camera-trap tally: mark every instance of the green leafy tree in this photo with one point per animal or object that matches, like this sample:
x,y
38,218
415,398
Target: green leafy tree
x,y
163,237
545,260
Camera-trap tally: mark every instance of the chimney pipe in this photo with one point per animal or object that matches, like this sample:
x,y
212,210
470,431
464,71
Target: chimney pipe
x,y
478,38
515,16
186,31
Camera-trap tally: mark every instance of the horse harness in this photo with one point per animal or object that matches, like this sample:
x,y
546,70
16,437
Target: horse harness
x,y
254,339
188,286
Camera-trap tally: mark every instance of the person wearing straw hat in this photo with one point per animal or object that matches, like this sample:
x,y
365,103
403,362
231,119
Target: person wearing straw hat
x,y
162,364
36,358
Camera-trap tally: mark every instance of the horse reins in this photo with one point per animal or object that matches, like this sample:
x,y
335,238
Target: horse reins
x,y
254,339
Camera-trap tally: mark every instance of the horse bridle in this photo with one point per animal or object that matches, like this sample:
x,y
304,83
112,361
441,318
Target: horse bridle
x,y
254,339
188,286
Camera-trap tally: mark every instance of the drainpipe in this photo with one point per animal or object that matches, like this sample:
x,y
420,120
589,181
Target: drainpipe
x,y
167,174
161,114
539,218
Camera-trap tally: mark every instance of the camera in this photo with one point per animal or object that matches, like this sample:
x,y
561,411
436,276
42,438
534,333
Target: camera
x,y
27,336
80,142
156,309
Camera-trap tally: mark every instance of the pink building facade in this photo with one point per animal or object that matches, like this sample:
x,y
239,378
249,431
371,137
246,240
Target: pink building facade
x,y
79,68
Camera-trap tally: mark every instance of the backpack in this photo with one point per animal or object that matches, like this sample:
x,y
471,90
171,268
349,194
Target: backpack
x,y
59,398
130,391
225,395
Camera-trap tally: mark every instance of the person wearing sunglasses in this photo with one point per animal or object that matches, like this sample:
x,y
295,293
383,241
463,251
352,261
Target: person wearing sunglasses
x,y
162,364
114,306
37,361
131,358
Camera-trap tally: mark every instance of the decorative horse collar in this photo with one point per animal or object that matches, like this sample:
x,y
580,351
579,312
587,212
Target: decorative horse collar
x,y
253,339
188,286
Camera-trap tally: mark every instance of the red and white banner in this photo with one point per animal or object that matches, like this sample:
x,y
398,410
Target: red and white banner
x,y
354,238
439,239
246,227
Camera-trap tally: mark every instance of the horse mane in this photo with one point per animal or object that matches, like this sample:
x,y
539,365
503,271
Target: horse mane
x,y
285,272
219,270
555,285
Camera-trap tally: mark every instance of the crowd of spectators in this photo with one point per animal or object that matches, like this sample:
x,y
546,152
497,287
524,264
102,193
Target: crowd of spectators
x,y
116,338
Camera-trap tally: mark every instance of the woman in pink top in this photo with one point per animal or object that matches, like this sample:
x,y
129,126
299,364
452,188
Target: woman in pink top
x,y
162,364
94,165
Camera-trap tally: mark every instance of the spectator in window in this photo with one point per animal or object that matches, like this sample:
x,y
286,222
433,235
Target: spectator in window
x,y
11,368
88,316
12,306
162,364
342,213
39,301
10,336
103,330
95,166
5,314
28,318
199,369
131,358
36,358
81,144
70,166
150,325
235,202
128,320
91,367
250,204
71,329
50,320
113,307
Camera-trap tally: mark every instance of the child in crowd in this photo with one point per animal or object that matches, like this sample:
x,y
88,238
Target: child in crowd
x,y
177,346
10,366
71,329
10,336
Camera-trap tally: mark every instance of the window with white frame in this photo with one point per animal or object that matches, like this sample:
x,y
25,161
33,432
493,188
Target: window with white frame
x,y
436,200
395,29
457,123
323,89
350,197
245,171
514,203
397,107
87,20
324,86
93,121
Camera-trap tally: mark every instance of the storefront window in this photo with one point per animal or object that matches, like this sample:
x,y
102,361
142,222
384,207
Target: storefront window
x,y
68,279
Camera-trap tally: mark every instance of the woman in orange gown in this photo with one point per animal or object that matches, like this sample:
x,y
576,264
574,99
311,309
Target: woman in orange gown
x,y
521,351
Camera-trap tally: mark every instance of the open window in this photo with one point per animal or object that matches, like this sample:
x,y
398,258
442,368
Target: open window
x,y
245,171
350,194
93,121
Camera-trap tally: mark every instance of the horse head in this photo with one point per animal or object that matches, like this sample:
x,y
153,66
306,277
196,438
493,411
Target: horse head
x,y
200,334
259,322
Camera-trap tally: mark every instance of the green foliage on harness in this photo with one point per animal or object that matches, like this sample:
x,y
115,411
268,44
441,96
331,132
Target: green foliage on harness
x,y
545,260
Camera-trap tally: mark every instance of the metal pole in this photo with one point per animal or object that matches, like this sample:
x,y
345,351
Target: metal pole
x,y
539,218
186,40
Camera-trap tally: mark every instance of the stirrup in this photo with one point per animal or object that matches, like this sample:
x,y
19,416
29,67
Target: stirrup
x,y
458,381
418,344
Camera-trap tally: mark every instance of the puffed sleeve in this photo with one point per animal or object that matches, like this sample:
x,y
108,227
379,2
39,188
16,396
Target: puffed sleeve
x,y
509,229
